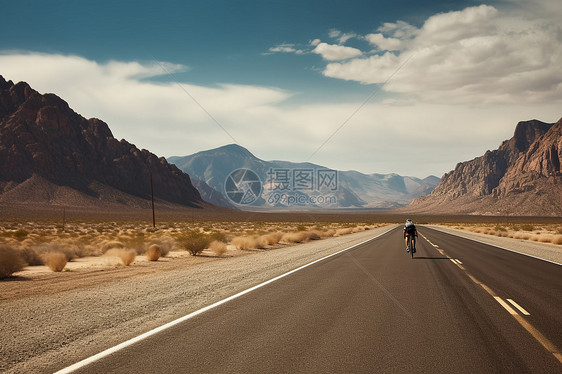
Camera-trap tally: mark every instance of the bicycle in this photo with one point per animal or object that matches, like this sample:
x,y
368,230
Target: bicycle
x,y
412,245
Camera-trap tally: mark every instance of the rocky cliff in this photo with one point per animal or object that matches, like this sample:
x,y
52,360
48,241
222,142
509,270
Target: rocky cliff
x,y
521,177
46,149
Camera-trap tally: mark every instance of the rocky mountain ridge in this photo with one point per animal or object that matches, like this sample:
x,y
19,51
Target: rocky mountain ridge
x,y
48,153
521,177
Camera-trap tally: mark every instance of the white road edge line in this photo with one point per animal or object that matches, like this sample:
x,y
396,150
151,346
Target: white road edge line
x,y
497,246
505,305
147,334
521,309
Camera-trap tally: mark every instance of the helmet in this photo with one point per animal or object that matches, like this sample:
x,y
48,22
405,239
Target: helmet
x,y
409,222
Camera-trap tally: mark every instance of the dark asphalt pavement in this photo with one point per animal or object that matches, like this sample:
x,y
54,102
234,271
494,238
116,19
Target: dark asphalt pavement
x,y
373,309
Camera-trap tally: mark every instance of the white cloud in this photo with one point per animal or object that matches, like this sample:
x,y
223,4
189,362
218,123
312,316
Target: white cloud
x,y
400,29
285,48
315,42
474,56
332,52
334,33
161,117
147,113
384,44
345,37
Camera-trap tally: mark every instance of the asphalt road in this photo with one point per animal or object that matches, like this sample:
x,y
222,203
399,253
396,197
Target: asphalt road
x,y
373,309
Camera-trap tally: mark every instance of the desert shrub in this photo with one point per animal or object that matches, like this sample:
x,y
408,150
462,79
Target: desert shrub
x,y
153,252
113,244
344,231
520,235
218,247
500,228
10,261
272,238
127,256
218,236
195,242
295,237
70,250
314,235
261,242
527,227
31,257
56,261
20,234
136,242
166,244
559,230
557,239
244,242
301,228
329,233
545,238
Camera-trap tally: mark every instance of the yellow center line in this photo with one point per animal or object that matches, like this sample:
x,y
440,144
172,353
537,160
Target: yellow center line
x,y
539,337
521,309
505,305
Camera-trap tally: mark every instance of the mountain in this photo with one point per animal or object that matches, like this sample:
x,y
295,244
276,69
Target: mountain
x,y
210,195
49,154
305,184
521,177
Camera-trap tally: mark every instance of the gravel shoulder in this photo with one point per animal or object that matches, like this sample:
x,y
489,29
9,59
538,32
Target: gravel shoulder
x,y
546,251
42,331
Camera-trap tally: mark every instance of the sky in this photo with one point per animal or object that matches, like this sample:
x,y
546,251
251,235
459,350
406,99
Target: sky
x,y
399,86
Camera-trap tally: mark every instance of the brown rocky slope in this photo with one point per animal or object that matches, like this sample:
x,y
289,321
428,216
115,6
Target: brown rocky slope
x,y
521,177
49,154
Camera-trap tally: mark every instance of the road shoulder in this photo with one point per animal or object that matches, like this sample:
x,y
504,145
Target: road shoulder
x,y
545,251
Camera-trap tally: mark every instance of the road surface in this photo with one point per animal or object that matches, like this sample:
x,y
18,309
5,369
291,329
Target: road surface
x,y
458,307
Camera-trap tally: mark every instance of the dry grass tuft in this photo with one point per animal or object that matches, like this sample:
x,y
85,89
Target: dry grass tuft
x,y
521,235
244,242
345,231
295,237
557,239
329,233
113,244
31,256
10,261
153,252
272,238
127,256
261,242
218,247
315,235
545,238
56,261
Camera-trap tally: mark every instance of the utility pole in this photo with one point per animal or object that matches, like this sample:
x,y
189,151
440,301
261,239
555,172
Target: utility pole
x,y
152,195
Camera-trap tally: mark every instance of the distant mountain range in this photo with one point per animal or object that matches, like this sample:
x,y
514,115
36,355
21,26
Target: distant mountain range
x,y
288,184
51,155
521,177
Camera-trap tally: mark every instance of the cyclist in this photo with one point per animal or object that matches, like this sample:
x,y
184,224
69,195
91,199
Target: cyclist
x,y
409,231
